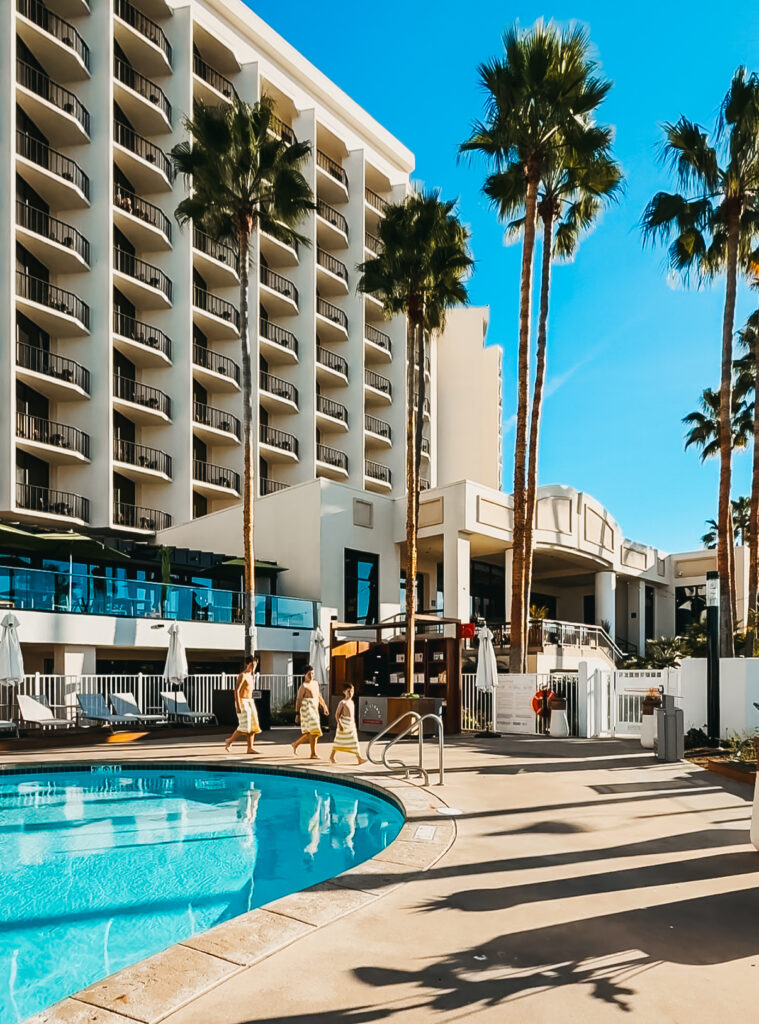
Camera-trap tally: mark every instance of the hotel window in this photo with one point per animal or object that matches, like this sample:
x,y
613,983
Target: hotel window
x,y
361,587
690,606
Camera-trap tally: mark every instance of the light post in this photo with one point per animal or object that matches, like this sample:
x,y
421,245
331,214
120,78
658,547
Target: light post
x,y
712,656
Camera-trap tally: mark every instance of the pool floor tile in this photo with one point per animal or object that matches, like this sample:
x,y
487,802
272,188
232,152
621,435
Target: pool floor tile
x,y
320,904
246,939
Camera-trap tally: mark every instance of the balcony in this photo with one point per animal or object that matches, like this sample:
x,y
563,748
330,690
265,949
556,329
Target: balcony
x,y
377,477
47,502
425,448
143,223
143,102
215,372
331,179
374,308
379,434
378,389
140,463
331,369
278,294
55,442
277,395
59,180
53,41
331,226
277,445
146,165
140,402
280,130
141,282
217,263
142,344
56,311
277,344
215,317
56,111
135,517
144,42
331,463
372,244
267,486
215,426
59,379
56,244
210,86
375,203
330,415
275,252
424,484
379,347
331,274
215,481
331,321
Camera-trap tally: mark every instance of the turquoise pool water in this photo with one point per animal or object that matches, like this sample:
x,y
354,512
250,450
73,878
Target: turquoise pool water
x,y
101,868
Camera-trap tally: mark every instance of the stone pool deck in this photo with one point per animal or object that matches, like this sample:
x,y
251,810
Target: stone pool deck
x,y
585,882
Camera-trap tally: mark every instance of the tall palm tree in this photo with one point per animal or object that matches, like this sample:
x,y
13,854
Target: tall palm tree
x,y
420,272
711,227
242,174
741,512
540,97
749,370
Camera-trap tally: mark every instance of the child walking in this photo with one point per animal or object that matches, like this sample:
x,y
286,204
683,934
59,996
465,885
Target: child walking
x,y
346,737
307,705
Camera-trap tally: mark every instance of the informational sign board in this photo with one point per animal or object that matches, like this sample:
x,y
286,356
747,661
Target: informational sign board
x,y
513,710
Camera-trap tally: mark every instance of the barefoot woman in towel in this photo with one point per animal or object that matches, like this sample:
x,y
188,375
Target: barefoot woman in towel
x,y
307,705
245,706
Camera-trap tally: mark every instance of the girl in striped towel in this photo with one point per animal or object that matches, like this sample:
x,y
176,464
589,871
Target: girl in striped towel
x,y
346,737
307,705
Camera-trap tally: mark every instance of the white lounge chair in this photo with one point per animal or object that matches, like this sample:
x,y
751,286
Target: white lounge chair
x,y
34,712
125,704
177,707
94,708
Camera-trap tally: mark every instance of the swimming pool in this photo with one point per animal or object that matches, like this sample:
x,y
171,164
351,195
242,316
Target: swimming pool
x,y
105,865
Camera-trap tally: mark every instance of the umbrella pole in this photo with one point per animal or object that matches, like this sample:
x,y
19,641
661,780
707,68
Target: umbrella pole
x,y
71,570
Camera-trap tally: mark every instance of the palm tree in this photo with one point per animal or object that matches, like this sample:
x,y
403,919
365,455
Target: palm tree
x,y
711,225
540,96
242,174
741,519
749,369
419,272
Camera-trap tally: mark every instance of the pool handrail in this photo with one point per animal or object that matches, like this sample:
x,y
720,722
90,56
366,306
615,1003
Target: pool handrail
x,y
417,722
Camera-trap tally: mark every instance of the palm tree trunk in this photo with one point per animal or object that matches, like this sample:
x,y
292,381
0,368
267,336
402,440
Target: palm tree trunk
x,y
517,638
731,555
422,393
411,487
248,444
753,528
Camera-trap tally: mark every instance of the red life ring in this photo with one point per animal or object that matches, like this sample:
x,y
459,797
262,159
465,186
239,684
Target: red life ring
x,y
540,702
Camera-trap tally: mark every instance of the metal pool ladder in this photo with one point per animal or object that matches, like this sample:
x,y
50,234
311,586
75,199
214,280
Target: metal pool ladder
x,y
416,724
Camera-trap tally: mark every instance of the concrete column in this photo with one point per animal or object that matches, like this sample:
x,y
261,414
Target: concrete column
x,y
456,575
74,661
606,610
508,572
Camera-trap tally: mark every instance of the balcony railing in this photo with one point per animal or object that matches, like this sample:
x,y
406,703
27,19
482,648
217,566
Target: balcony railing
x,y
141,270
137,144
276,386
42,85
330,214
376,202
425,446
378,382
330,408
219,476
135,517
284,131
378,426
378,338
39,361
218,419
210,360
375,471
36,290
331,167
215,306
332,360
332,457
278,335
149,91
278,439
331,312
271,486
58,435
279,284
216,250
129,390
138,207
424,484
43,224
212,77
329,262
60,503
135,330
142,24
372,243
55,26
140,455
41,154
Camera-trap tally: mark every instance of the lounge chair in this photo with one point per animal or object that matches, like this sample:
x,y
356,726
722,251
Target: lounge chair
x,y
34,712
177,707
93,707
6,726
125,704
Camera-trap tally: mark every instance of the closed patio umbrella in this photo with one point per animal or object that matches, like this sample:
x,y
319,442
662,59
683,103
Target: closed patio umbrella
x,y
317,655
11,661
486,678
175,670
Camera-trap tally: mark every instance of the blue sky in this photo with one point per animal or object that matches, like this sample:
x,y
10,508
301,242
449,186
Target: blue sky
x,y
628,353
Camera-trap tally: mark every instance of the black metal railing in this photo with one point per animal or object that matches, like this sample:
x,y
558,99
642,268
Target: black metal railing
x,y
375,471
333,409
42,85
132,454
331,456
331,312
216,250
219,476
28,357
41,154
136,517
378,338
36,290
331,263
278,335
378,382
57,435
424,484
142,24
330,214
217,418
55,26
332,360
43,224
372,243
211,360
138,83
425,446
212,77
276,386
59,503
126,263
139,145
283,130
135,330
215,306
331,167
267,486
376,202
278,283
278,439
138,207
141,394
378,426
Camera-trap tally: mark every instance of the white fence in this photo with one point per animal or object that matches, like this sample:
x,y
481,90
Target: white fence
x,y
477,710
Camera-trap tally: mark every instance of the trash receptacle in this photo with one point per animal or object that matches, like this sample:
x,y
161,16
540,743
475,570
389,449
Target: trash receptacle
x,y
670,730
223,706
263,706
